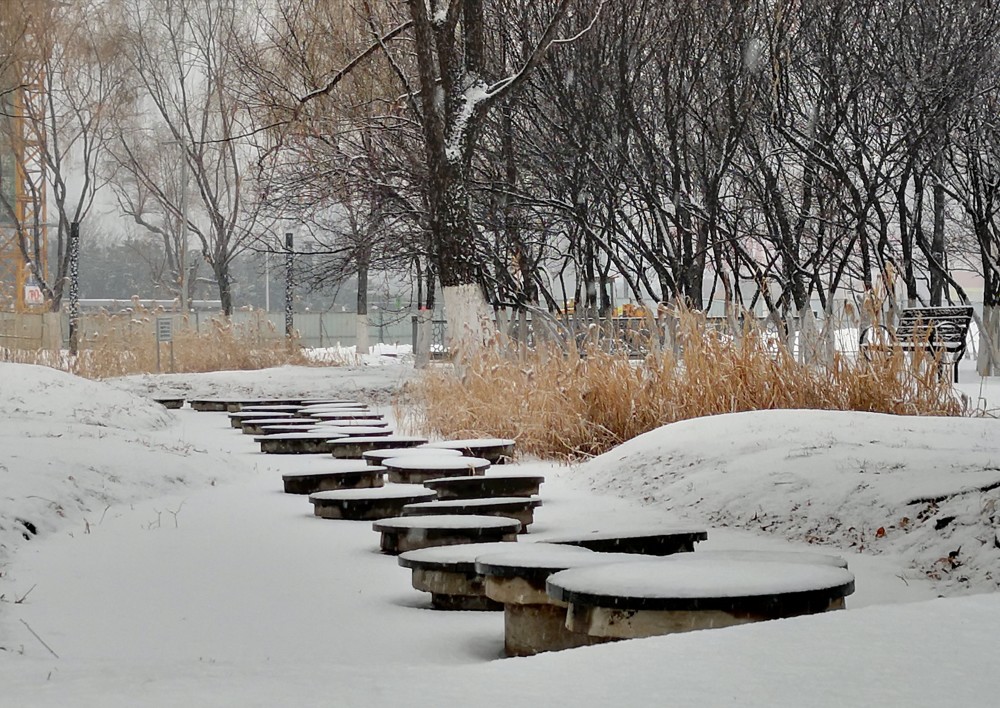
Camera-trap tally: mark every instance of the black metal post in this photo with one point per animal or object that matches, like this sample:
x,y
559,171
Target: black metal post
x,y
74,288
289,284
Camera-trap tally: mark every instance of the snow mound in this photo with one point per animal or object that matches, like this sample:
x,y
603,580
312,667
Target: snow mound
x,y
74,447
925,487
38,393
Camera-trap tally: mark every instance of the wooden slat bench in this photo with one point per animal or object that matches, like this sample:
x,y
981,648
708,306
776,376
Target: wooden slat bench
x,y
940,331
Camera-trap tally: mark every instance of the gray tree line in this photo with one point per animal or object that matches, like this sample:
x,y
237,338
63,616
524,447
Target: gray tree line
x,y
775,155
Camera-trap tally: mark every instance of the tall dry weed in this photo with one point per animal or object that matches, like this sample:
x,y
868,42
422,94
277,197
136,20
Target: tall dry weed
x,y
560,404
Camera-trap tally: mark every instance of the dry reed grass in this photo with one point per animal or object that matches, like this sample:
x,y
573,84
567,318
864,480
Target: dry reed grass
x,y
123,344
127,345
560,404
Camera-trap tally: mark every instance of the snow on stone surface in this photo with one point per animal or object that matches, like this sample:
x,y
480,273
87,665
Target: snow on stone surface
x,y
383,439
624,532
924,487
394,452
485,501
319,435
764,557
356,430
447,521
429,462
388,491
551,557
471,442
682,578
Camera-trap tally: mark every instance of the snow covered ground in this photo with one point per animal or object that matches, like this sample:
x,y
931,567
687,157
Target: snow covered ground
x,y
149,558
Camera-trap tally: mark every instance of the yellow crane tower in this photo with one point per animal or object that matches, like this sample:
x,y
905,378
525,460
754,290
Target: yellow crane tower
x,y
22,166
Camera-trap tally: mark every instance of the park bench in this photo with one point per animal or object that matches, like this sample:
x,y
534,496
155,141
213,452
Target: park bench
x,y
409,533
682,593
939,331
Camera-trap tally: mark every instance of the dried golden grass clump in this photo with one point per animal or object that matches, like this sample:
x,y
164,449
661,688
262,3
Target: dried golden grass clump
x,y
567,405
126,344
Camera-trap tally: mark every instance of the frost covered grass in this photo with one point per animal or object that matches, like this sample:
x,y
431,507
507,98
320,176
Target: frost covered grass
x,y
568,404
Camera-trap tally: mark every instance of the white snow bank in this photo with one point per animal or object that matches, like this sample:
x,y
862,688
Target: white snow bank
x,y
924,487
73,447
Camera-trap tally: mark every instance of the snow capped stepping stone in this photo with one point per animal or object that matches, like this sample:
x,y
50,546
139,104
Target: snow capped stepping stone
x,y
767,557
326,407
534,622
496,450
449,574
416,469
172,403
256,426
278,407
484,486
366,504
520,508
358,431
376,457
236,419
357,476
413,532
649,541
354,423
663,596
346,414
298,443
354,448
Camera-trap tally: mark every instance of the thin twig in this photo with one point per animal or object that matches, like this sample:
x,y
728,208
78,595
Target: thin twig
x,y
35,635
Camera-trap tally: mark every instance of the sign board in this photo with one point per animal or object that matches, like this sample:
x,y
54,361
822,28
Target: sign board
x,y
33,295
164,329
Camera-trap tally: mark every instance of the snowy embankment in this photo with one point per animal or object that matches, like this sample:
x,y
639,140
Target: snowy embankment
x,y
72,448
924,488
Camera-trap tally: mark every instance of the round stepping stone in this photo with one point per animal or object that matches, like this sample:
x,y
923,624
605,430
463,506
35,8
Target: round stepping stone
x,y
234,406
766,557
208,405
308,402
279,407
358,476
520,508
272,429
366,504
412,532
297,443
255,426
515,577
496,450
171,403
647,541
416,469
376,457
485,486
332,407
345,415
644,599
236,419
449,574
354,423
358,431
354,448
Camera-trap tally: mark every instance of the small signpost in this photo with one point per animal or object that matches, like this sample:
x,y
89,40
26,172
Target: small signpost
x,y
164,333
